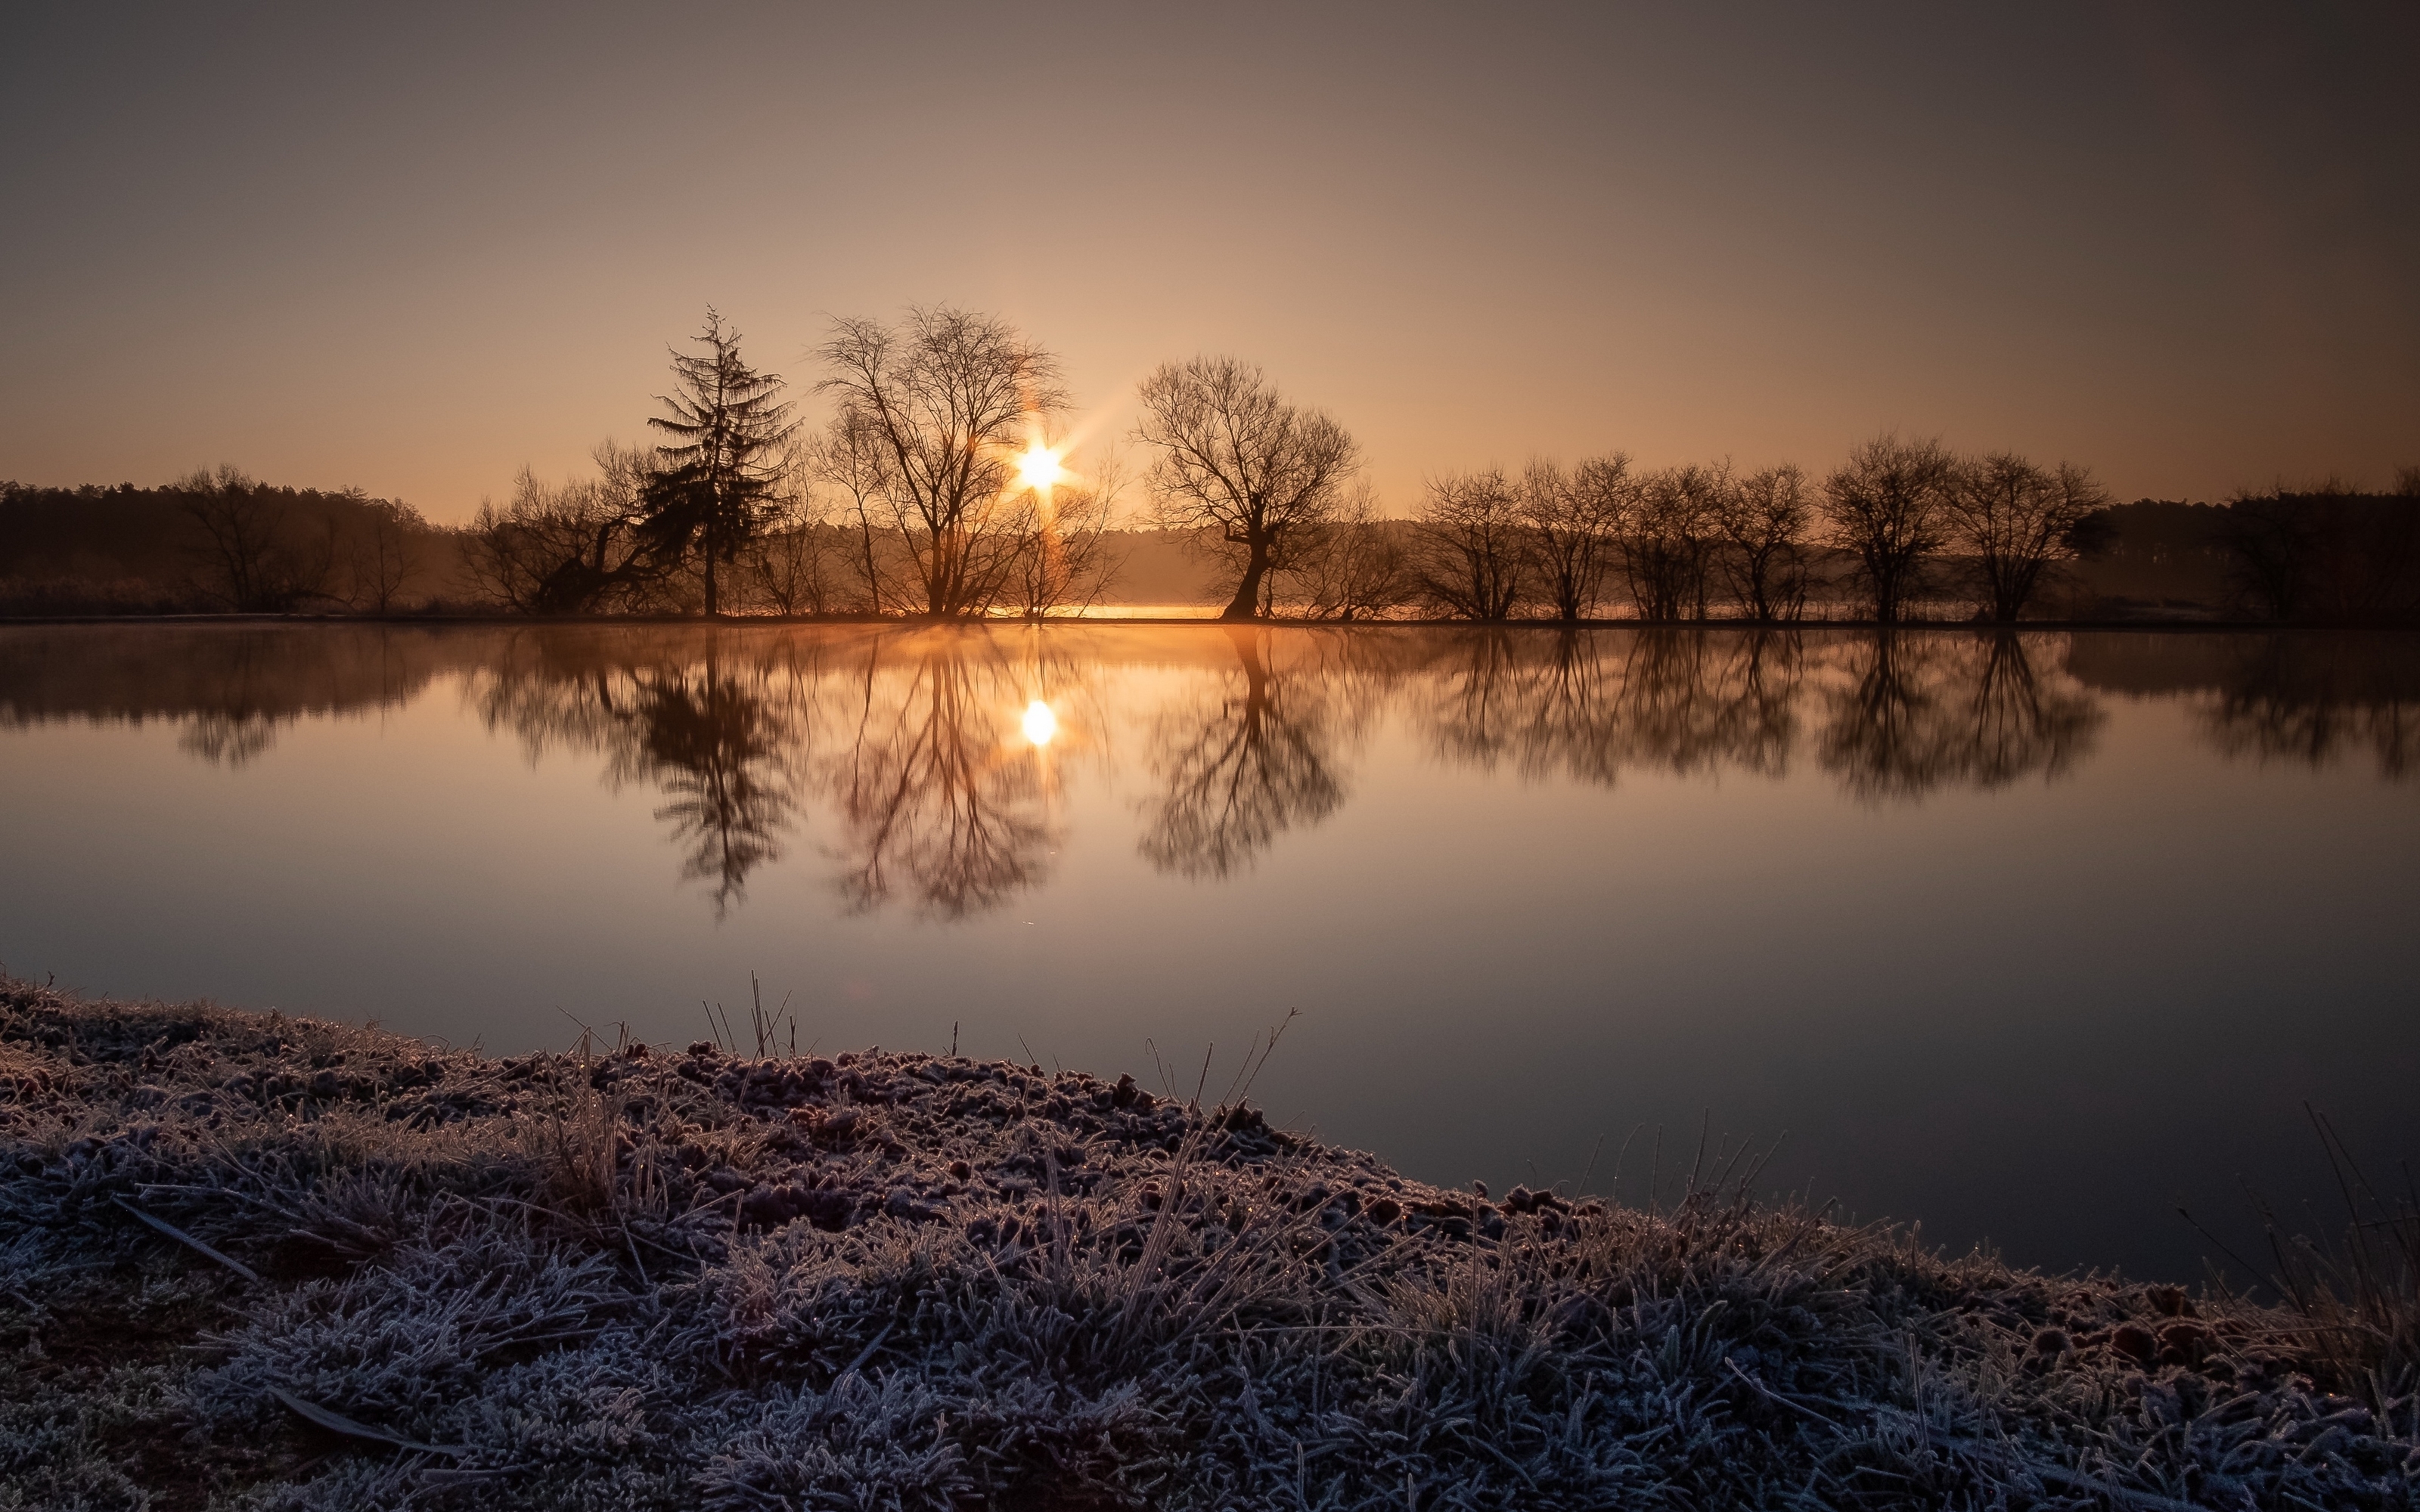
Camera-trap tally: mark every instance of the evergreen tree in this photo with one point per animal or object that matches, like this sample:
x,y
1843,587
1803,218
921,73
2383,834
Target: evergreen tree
x,y
714,489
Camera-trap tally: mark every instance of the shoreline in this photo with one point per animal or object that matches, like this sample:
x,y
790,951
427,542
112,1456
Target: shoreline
x,y
268,1261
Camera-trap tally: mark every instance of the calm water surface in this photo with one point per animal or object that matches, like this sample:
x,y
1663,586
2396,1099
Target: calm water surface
x,y
2026,937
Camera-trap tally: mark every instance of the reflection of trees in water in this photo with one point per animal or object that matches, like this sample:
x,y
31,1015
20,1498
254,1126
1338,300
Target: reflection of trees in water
x,y
910,736
938,796
2316,699
1255,754
1587,704
2022,722
1884,735
716,752
1920,711
231,689
1704,701
232,737
250,686
721,737
1901,713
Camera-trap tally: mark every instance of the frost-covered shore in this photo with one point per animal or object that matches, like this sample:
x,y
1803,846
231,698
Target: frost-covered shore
x,y
659,1278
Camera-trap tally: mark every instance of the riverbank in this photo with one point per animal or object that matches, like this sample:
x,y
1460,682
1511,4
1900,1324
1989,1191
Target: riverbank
x,y
268,1262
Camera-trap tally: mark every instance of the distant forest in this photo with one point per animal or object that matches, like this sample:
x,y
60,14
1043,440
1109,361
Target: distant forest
x,y
188,548
937,488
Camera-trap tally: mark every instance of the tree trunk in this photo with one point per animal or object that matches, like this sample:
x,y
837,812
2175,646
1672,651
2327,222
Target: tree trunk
x,y
1246,605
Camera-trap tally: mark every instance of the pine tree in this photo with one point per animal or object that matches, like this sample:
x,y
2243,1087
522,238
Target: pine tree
x,y
713,489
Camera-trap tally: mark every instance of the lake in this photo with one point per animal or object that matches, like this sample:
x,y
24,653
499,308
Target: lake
x,y
2028,937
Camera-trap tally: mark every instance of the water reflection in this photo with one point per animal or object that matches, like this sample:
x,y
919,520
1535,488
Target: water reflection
x,y
2315,701
230,689
1580,705
938,793
1249,755
1922,712
713,745
718,738
937,759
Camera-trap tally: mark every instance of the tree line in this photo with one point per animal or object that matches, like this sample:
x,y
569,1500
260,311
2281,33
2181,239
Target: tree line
x,y
938,486
214,540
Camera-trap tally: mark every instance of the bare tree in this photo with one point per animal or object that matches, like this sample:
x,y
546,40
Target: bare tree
x,y
1353,566
1471,544
853,461
1573,519
383,554
798,564
1240,464
571,547
1764,517
1667,535
1064,558
944,396
1888,506
254,557
795,566
2016,519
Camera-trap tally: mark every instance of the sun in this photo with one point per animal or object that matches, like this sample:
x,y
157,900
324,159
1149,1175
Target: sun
x,y
1039,467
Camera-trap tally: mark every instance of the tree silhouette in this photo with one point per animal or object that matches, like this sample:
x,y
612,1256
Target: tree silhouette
x,y
1573,519
2014,520
1238,462
1472,539
931,411
1888,506
1763,517
573,548
714,487
1667,535
253,560
1352,566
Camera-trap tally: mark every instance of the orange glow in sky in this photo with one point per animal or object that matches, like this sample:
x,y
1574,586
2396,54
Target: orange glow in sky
x,y
394,247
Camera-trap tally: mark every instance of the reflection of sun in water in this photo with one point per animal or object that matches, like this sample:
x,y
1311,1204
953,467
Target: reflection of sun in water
x,y
1039,469
1040,723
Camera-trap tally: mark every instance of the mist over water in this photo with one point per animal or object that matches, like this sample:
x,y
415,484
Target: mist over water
x,y
2025,936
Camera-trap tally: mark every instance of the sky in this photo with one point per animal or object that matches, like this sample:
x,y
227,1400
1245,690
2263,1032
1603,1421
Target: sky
x,y
413,249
